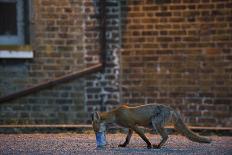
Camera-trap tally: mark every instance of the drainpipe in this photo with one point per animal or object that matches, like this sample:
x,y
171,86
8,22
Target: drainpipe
x,y
102,22
120,53
53,82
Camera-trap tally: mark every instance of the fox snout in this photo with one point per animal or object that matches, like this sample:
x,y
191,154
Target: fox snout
x,y
98,127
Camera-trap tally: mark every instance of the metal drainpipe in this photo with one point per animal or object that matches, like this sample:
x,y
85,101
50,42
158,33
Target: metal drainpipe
x,y
120,53
51,83
102,11
102,22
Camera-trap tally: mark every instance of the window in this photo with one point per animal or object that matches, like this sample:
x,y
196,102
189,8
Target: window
x,y
13,22
14,29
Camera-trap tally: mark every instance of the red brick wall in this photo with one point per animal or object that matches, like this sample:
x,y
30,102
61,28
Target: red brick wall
x,y
179,53
175,52
58,40
65,38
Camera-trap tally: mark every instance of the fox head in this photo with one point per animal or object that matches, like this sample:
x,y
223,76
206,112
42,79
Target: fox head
x,y
97,123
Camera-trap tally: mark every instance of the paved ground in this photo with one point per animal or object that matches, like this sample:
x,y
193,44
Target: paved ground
x,y
71,143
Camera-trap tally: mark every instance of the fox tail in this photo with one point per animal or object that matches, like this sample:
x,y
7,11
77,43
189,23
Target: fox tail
x,y
184,130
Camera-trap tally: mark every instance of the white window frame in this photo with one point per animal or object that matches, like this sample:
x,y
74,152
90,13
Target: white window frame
x,y
18,39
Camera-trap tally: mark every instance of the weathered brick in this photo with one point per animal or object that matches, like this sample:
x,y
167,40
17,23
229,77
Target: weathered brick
x,y
174,52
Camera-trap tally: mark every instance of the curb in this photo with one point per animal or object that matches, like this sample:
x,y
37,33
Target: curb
x,y
16,129
25,129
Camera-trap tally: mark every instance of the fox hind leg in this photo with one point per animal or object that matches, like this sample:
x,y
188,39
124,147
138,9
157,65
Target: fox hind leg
x,y
162,131
158,124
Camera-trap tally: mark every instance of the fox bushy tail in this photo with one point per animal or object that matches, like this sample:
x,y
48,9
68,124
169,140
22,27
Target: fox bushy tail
x,y
184,130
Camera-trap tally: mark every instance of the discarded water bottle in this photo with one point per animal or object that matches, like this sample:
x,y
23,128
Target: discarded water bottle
x,y
100,139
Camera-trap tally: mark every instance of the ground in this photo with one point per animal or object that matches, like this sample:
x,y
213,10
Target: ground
x,y
72,143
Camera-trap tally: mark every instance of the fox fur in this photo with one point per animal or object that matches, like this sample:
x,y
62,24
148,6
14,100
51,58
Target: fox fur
x,y
150,116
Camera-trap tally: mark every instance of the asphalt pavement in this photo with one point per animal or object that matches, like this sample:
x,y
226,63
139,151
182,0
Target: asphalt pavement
x,y
72,143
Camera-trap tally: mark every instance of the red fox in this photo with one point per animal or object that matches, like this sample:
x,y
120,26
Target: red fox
x,y
149,115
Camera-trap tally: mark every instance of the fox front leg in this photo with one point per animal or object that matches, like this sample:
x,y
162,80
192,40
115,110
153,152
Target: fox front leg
x,y
128,137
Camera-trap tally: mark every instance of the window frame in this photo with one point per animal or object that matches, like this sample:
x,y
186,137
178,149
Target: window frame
x,y
20,50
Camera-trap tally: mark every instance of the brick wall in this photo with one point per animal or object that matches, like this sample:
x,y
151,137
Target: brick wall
x,y
65,37
58,40
175,52
178,52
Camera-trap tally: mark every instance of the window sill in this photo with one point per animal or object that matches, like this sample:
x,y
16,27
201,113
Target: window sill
x,y
16,52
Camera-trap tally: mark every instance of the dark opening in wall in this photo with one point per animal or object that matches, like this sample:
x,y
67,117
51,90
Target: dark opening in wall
x,y
8,22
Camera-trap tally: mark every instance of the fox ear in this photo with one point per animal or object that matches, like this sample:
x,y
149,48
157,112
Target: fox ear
x,y
95,116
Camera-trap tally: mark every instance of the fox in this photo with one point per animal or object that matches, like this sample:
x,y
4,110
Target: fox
x,y
149,116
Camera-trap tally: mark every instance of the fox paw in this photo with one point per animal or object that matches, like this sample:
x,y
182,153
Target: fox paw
x,y
121,145
149,146
156,146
